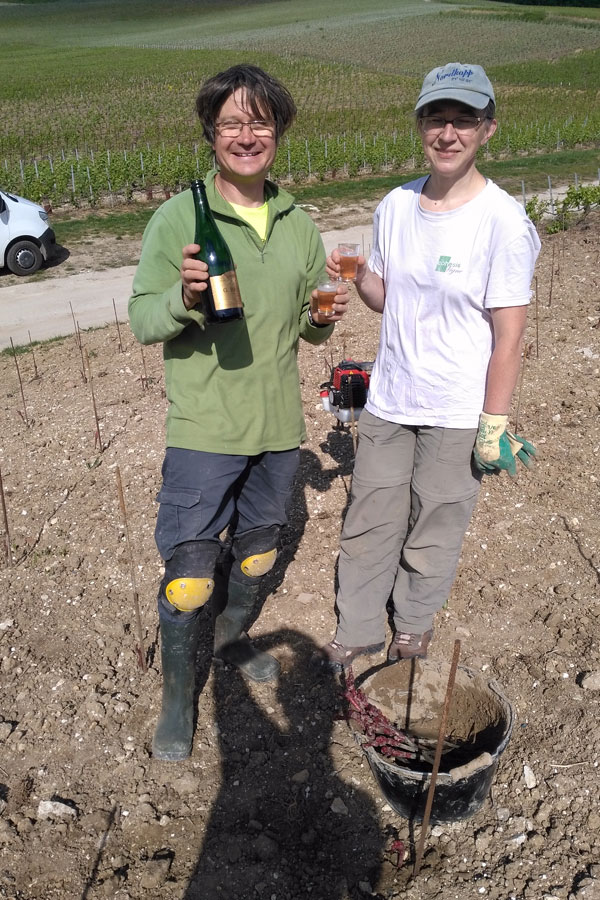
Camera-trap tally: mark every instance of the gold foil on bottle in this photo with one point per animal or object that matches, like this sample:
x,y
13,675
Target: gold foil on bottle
x,y
225,291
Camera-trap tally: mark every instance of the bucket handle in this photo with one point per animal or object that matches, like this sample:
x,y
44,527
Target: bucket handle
x,y
482,761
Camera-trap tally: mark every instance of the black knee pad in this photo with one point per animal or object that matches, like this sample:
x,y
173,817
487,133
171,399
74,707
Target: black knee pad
x,y
188,581
255,551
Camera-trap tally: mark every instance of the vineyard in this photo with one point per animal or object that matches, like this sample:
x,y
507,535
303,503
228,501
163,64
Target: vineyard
x,y
96,177
102,107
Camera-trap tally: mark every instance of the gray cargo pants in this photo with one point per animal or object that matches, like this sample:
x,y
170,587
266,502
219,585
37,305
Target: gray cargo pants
x,y
413,493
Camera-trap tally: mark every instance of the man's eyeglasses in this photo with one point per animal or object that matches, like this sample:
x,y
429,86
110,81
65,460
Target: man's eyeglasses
x,y
232,128
462,124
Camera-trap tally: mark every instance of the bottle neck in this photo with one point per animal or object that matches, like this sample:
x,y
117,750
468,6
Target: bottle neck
x,y
199,192
202,206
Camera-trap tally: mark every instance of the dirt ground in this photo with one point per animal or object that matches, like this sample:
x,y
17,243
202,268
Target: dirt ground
x,y
277,800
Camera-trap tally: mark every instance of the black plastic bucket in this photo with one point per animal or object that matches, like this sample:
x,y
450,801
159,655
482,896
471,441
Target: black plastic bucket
x,y
480,720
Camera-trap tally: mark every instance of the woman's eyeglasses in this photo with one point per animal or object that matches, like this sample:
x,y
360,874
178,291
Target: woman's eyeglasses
x,y
462,124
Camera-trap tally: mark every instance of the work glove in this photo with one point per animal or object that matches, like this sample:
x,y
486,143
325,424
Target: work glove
x,y
497,449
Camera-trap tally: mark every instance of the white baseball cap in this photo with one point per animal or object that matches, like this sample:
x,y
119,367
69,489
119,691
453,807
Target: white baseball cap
x,y
464,83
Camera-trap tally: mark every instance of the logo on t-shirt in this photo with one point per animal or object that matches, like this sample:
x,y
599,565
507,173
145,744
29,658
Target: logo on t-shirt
x,y
445,265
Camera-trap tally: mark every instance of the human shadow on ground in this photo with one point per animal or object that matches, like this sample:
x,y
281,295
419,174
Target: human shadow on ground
x,y
310,474
339,446
284,823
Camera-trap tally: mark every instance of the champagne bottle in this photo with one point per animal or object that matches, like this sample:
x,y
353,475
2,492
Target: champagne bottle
x,y
222,301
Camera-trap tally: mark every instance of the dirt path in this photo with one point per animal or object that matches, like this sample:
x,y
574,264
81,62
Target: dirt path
x,y
45,308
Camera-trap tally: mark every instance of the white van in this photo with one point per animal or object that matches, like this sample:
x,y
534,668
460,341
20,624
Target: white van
x,y
26,239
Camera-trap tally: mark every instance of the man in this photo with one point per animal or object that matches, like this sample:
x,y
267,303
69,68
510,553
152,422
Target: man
x,y
235,416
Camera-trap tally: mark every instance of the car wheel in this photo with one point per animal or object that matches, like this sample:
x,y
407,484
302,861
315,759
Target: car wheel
x,y
24,258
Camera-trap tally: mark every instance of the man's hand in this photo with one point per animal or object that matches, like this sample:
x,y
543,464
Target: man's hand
x,y
497,449
194,276
340,305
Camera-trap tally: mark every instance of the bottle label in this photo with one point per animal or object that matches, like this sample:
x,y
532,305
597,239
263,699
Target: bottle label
x,y
225,291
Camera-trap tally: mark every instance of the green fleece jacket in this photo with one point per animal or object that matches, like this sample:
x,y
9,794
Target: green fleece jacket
x,y
234,387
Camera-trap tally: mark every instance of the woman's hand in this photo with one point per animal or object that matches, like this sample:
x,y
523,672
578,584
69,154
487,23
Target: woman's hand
x,y
194,276
333,270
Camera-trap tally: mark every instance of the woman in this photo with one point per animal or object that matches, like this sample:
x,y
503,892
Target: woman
x,y
235,420
450,272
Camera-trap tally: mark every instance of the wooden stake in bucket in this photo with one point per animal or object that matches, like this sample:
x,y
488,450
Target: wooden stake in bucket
x,y
436,761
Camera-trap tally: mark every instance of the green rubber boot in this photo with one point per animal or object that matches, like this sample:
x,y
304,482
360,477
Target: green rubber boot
x,y
174,732
232,644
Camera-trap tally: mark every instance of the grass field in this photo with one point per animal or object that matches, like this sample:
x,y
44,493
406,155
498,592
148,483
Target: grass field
x,y
78,79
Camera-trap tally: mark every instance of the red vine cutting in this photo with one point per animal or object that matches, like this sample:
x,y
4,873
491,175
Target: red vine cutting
x,y
378,730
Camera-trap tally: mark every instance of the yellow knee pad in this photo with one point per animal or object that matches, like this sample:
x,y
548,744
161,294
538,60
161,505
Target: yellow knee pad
x,y
259,563
187,594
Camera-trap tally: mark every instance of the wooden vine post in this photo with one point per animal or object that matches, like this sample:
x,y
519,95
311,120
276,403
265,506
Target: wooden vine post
x,y
140,652
9,558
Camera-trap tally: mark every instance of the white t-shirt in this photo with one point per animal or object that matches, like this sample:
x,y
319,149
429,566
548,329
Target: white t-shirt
x,y
442,272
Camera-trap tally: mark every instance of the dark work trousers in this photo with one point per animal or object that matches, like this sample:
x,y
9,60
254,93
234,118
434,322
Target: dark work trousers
x,y
203,493
413,493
